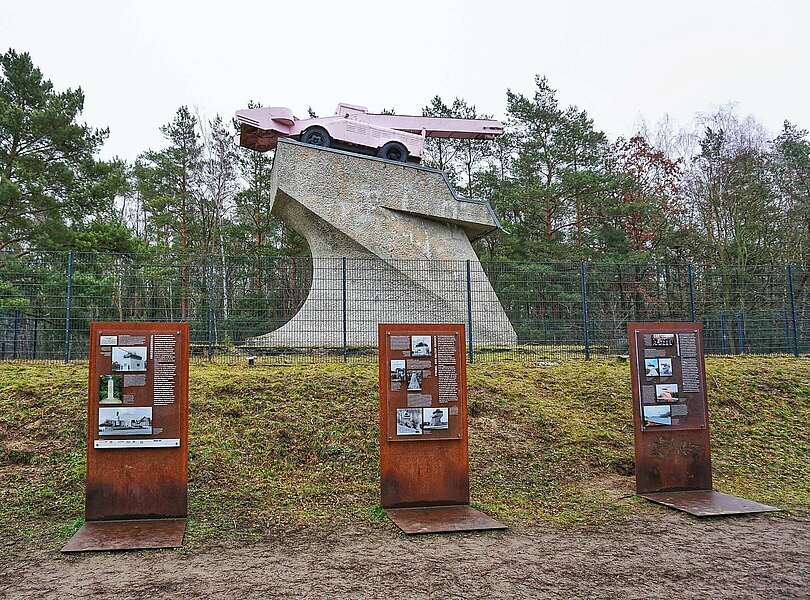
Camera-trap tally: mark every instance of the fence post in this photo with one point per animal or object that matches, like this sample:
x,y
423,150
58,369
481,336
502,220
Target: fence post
x,y
345,340
209,276
794,324
34,341
740,333
469,314
691,276
68,304
16,332
583,289
723,336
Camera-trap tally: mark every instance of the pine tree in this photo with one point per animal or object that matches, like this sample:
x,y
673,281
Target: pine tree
x,y
170,183
53,190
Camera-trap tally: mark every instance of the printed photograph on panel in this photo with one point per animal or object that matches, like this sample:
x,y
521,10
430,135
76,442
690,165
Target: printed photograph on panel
x,y
127,359
133,420
435,418
665,367
651,367
657,415
414,380
398,370
409,421
111,389
666,392
421,345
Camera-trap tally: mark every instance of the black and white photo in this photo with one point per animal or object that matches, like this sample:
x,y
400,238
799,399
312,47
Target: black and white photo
x,y
414,379
421,345
132,420
398,370
435,418
665,367
129,359
409,421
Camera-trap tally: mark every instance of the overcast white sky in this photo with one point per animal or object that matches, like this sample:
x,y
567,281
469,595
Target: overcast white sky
x,y
620,60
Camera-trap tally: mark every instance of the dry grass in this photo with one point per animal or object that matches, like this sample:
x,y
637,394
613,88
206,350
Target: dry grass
x,y
284,448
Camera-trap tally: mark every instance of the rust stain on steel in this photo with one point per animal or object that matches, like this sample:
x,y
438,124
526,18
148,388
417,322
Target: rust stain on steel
x,y
128,483
423,472
438,519
128,535
708,503
425,479
673,464
669,459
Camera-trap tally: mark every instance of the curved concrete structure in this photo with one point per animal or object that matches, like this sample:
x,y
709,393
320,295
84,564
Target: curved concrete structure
x,y
405,235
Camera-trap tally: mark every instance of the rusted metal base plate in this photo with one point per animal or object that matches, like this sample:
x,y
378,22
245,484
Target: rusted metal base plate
x,y
137,534
708,503
439,519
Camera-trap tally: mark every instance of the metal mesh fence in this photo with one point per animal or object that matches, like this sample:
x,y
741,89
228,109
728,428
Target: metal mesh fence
x,y
285,309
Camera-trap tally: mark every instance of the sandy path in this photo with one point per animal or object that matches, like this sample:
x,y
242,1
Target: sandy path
x,y
662,556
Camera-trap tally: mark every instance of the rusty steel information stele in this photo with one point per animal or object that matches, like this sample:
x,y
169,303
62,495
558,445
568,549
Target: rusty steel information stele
x,y
671,419
137,437
424,468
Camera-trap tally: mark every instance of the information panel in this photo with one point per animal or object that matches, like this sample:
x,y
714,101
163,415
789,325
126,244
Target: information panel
x,y
423,400
423,390
669,407
670,379
137,421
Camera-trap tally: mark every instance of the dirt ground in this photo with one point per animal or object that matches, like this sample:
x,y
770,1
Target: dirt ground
x,y
665,555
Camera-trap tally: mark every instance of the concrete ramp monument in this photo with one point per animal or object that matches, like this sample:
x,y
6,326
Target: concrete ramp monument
x,y
400,232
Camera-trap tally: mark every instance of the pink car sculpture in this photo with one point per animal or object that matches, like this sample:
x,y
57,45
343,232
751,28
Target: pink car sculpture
x,y
393,137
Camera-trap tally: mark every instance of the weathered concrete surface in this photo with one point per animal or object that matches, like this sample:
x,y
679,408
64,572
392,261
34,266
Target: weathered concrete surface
x,y
405,235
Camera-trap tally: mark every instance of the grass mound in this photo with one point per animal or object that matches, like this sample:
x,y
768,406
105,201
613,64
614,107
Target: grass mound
x,y
273,449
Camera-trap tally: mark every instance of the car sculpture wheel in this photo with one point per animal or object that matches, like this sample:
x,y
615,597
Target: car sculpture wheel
x,y
393,151
316,136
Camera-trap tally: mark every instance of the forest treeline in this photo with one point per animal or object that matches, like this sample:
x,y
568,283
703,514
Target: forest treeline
x,y
722,192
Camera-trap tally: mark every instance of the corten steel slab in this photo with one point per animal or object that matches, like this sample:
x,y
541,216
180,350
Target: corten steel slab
x,y
708,503
676,457
423,470
139,482
138,534
441,519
